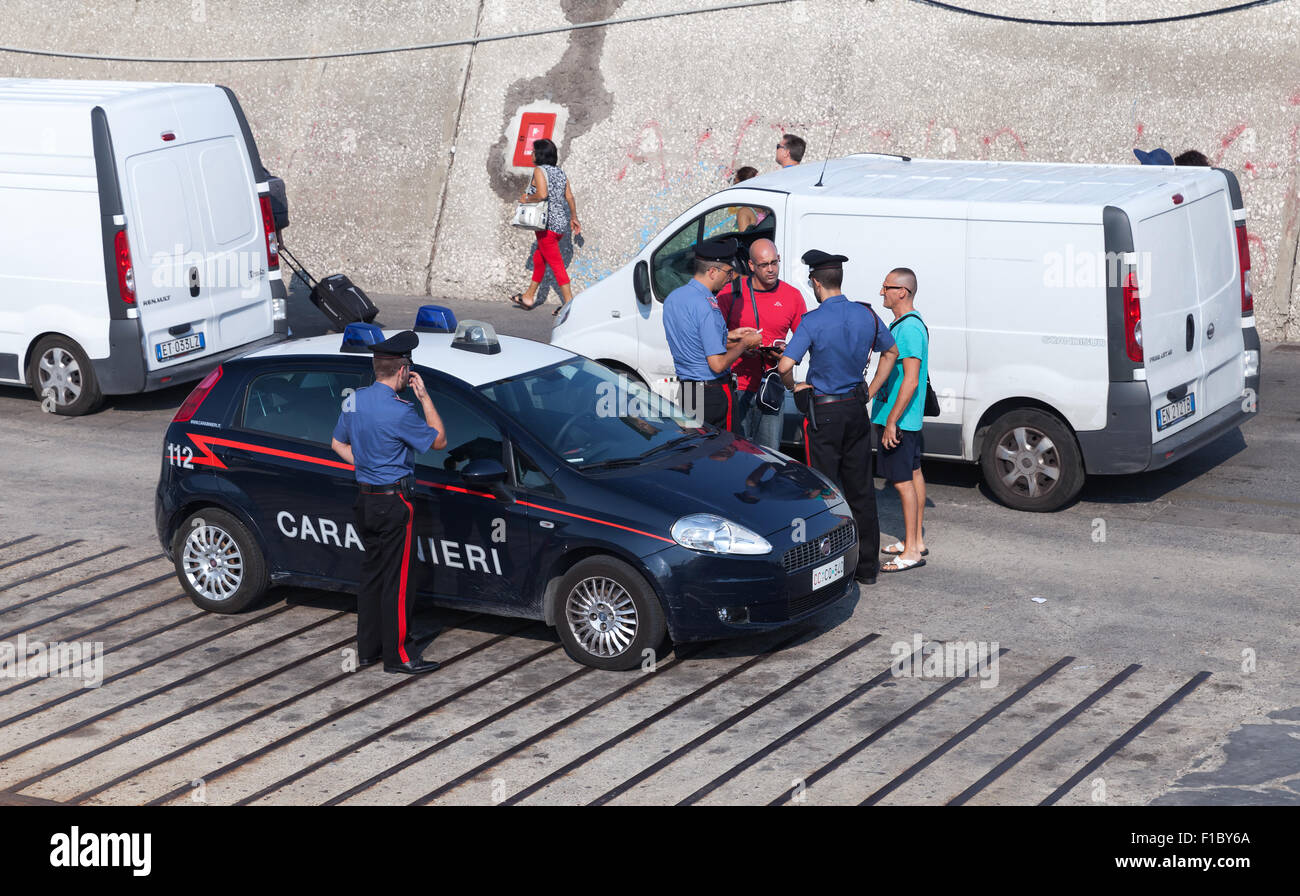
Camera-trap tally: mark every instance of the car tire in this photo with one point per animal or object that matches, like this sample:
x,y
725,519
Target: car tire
x,y
1031,461
607,615
58,365
218,562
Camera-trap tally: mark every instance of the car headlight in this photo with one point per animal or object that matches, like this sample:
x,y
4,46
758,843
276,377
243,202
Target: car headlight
x,y
706,532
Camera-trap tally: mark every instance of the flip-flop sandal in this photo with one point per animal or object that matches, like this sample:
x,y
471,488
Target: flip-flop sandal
x,y
901,565
896,548
556,312
518,301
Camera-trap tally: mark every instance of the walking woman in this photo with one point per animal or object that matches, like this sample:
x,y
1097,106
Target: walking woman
x,y
549,183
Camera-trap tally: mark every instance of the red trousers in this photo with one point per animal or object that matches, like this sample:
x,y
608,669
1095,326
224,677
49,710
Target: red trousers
x,y
547,254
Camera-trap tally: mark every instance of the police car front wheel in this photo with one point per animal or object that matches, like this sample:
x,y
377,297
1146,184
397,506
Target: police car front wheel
x,y
218,561
607,614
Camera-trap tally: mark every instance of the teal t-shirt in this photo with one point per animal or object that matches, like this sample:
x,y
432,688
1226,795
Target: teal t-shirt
x,y
912,343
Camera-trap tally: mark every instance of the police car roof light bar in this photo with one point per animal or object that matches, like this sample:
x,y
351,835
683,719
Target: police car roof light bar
x,y
476,336
357,338
435,319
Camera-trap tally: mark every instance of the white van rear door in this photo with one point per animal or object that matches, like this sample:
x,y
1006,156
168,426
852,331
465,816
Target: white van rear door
x,y
1171,319
166,245
1219,334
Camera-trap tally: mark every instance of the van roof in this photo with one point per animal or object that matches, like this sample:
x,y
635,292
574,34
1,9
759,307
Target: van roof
x,y
79,93
878,176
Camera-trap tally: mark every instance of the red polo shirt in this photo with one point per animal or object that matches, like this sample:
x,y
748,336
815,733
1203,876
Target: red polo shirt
x,y
779,311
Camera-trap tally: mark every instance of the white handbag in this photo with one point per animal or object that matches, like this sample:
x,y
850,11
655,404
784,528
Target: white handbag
x,y
530,215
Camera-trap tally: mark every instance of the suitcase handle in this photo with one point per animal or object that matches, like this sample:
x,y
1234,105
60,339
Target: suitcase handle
x,y
298,270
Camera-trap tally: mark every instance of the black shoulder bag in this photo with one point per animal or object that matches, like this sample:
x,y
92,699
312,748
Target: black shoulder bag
x,y
931,400
771,391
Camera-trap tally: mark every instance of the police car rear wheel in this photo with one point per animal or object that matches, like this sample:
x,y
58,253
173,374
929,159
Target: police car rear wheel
x,y
1031,461
607,614
218,562
63,378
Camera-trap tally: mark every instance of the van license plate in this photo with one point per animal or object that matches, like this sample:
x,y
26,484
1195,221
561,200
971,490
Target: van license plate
x,y
824,575
177,347
1180,410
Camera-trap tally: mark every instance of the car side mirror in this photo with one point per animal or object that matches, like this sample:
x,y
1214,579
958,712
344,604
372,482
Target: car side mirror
x,y
641,282
484,471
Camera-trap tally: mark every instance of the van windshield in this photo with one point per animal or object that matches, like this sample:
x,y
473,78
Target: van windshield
x,y
592,416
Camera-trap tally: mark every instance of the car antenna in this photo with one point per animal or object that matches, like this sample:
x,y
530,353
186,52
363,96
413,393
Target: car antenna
x,y
832,151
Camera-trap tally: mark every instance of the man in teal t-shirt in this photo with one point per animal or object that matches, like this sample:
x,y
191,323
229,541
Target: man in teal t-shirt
x,y
899,412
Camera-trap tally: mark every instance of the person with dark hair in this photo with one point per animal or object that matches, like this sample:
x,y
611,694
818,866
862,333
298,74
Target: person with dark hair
x,y
551,184
789,152
1192,157
380,434
746,217
702,348
841,335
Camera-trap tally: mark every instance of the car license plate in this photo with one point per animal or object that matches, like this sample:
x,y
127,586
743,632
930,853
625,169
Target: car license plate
x,y
1180,410
824,575
177,347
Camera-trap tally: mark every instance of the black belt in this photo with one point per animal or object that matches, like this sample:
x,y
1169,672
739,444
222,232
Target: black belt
x,y
830,399
723,381
391,489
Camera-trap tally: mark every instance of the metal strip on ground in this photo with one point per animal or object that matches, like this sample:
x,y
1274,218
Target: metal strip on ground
x,y
79,607
66,544
815,719
153,662
1120,742
731,720
50,572
1039,739
917,767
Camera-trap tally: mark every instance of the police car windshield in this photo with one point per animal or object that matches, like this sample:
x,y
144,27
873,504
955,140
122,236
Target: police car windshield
x,y
591,416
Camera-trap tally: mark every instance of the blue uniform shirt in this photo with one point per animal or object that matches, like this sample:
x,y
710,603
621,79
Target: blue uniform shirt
x,y
840,334
385,432
695,330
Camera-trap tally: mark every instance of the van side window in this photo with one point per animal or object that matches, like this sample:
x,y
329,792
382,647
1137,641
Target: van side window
x,y
673,263
300,404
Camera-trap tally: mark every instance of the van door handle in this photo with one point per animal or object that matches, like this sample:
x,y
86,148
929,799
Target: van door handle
x,y
1191,332
616,314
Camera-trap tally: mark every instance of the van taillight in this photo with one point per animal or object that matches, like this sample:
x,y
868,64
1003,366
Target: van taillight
x,y
196,397
268,224
1132,318
1243,258
125,273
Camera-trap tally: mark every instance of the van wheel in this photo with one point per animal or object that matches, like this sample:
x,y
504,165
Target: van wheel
x,y
63,378
1031,461
218,562
607,614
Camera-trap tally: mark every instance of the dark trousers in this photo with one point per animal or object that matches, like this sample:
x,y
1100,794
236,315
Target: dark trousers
x,y
710,402
840,448
383,608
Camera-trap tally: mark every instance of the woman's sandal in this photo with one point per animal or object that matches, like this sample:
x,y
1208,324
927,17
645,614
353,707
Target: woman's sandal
x,y
518,301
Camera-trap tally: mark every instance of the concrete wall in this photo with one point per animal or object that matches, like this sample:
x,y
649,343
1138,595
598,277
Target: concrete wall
x,y
398,164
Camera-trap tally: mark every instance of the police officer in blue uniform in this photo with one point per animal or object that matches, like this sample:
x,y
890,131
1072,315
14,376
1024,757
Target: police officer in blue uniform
x,y
380,434
841,336
703,351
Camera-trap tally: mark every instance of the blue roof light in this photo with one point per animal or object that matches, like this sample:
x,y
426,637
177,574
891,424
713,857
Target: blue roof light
x,y
435,319
357,338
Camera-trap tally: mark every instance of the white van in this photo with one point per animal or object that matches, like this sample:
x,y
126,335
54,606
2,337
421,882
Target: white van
x,y
137,246
1083,318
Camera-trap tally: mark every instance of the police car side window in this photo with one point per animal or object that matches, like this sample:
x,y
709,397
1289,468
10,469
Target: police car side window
x,y
530,476
673,263
299,404
470,436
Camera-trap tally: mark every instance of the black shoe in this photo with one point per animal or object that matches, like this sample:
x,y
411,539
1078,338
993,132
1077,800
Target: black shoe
x,y
862,579
369,660
412,667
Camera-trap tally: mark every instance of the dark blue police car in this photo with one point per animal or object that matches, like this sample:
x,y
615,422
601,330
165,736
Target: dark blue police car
x,y
566,493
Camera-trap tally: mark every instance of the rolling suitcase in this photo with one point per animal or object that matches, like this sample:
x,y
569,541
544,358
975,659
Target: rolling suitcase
x,y
338,298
